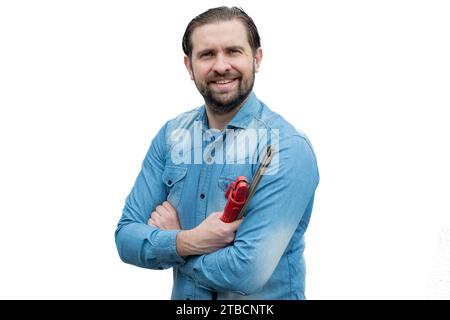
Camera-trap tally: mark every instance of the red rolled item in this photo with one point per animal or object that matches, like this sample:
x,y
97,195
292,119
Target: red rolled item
x,y
236,193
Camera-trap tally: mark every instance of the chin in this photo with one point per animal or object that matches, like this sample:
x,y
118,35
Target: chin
x,y
227,100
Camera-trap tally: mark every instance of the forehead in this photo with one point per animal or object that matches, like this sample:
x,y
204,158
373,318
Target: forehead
x,y
220,34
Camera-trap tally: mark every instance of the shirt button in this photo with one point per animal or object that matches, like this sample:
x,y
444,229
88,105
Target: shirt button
x,y
169,182
202,196
208,160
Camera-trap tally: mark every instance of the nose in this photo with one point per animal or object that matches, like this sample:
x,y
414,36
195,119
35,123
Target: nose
x,y
221,64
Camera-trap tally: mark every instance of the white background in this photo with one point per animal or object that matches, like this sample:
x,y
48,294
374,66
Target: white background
x,y
85,85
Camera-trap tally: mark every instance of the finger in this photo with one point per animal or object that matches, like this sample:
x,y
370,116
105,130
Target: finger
x,y
155,216
152,222
161,210
169,207
156,212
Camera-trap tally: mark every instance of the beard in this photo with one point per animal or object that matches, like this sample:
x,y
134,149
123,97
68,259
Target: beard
x,y
222,103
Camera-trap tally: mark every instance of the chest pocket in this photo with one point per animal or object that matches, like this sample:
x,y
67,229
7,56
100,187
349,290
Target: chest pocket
x,y
174,178
229,174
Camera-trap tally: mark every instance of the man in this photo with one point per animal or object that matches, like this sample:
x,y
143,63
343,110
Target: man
x,y
172,215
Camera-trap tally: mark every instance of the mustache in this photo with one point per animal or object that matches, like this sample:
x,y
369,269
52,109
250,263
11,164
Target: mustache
x,y
225,76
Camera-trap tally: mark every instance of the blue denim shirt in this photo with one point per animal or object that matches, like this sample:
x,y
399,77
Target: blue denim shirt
x,y
191,168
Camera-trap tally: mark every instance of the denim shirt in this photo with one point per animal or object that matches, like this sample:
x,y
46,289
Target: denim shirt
x,y
191,167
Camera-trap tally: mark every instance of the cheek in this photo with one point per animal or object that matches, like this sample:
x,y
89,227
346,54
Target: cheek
x,y
244,67
201,71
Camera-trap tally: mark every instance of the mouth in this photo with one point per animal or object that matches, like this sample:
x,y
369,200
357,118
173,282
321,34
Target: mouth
x,y
224,85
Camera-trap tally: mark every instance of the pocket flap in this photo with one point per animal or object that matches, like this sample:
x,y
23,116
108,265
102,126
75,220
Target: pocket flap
x,y
224,182
172,175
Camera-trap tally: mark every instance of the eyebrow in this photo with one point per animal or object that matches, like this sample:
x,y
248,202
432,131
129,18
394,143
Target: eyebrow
x,y
200,53
235,48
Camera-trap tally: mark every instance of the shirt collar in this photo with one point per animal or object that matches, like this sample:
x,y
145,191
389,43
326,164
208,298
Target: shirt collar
x,y
202,117
248,110
242,118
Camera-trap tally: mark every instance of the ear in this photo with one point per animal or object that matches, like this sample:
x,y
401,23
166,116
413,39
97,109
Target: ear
x,y
258,58
187,63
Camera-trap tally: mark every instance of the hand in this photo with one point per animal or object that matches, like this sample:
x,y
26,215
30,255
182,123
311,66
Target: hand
x,y
165,217
212,234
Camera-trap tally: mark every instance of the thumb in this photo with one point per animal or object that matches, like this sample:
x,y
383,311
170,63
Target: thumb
x,y
217,214
235,224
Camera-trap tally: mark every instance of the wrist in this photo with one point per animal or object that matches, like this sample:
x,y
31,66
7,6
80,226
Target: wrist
x,y
185,243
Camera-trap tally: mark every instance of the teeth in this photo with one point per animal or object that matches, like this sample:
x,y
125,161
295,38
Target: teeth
x,y
223,81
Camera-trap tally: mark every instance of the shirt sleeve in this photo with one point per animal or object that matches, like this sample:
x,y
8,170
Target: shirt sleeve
x,y
282,202
137,242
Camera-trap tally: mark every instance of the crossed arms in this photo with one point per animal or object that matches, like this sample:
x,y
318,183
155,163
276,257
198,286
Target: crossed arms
x,y
149,234
210,235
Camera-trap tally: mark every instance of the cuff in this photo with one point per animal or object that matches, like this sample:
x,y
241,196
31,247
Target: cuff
x,y
165,247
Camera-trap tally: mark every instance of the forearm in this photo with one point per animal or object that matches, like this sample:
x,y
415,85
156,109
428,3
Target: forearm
x,y
148,247
247,265
210,235
227,270
185,244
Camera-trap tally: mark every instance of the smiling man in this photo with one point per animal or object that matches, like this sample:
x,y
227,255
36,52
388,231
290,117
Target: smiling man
x,y
171,217
222,64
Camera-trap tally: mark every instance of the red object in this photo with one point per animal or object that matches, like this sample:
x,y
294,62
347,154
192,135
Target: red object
x,y
237,194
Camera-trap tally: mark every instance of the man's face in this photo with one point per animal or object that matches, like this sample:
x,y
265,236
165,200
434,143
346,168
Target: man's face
x,y
222,64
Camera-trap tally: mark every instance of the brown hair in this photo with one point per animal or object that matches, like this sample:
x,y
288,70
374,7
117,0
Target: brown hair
x,y
217,15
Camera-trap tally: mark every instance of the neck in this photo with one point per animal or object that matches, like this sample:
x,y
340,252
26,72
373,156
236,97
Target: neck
x,y
220,121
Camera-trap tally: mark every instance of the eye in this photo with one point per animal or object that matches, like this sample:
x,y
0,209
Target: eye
x,y
234,52
206,54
